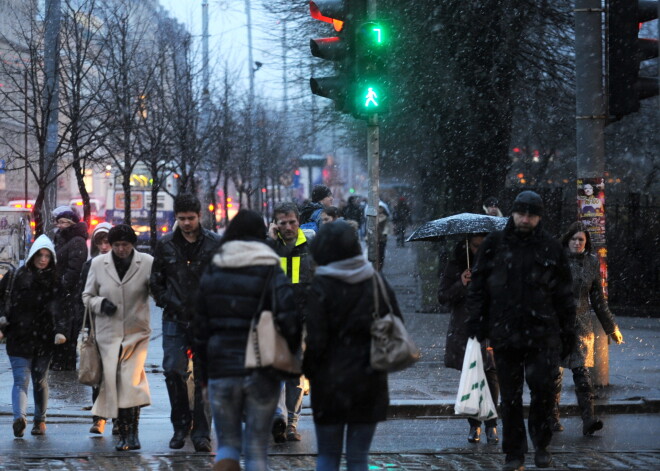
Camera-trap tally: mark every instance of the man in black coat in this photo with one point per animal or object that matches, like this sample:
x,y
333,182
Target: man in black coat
x,y
179,261
521,299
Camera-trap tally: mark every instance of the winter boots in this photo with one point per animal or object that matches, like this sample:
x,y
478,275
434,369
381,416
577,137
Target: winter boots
x,y
127,424
98,426
590,424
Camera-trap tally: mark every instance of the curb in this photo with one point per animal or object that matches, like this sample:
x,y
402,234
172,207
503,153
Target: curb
x,y
403,409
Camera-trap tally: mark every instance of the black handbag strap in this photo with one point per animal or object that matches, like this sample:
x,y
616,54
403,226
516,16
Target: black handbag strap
x,y
267,284
379,285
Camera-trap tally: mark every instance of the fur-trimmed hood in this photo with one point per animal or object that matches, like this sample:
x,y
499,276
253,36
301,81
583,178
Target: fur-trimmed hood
x,y
242,253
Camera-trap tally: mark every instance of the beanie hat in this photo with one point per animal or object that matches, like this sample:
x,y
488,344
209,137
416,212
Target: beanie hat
x,y
528,201
122,233
101,230
319,192
65,212
491,201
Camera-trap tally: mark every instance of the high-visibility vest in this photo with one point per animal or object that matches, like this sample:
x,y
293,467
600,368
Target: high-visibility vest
x,y
291,264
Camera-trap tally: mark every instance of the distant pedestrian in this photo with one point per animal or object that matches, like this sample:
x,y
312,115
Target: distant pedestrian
x,y
348,397
520,298
329,214
384,227
33,324
71,250
492,207
100,246
243,269
588,292
310,213
453,291
402,218
180,259
354,211
117,294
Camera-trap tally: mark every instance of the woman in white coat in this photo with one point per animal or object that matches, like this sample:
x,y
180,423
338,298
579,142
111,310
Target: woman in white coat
x,y
117,292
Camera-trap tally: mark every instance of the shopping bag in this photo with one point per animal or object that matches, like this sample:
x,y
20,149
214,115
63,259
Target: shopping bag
x,y
90,370
473,398
467,399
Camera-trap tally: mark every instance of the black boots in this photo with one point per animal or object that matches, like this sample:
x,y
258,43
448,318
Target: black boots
x,y
127,424
590,424
475,434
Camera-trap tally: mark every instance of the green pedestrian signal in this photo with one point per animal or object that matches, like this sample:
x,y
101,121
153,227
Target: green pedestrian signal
x,y
371,92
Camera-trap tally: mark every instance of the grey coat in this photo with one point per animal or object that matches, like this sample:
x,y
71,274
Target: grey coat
x,y
589,298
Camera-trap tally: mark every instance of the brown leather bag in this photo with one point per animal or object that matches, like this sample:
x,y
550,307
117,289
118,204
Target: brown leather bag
x,y
90,370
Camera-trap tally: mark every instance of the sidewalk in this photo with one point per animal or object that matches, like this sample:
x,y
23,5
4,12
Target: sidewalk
x,y
426,390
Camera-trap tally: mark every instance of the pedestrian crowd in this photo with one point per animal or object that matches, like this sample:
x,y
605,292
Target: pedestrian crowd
x,y
515,290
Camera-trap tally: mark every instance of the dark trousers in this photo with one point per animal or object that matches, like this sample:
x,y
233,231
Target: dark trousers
x,y
584,392
494,387
177,372
540,368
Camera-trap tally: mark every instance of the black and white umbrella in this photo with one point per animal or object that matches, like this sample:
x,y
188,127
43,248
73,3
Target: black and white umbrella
x,y
462,224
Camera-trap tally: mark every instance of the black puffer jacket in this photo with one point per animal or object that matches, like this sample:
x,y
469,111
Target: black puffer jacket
x,y
71,249
229,294
521,292
34,315
344,387
175,273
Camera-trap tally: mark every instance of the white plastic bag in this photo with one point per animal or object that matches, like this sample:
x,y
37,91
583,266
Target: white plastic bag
x,y
473,398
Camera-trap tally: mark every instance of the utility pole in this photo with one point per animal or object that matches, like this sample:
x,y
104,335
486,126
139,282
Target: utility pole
x,y
373,162
51,97
591,119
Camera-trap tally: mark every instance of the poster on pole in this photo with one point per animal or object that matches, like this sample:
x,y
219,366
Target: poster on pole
x,y
591,213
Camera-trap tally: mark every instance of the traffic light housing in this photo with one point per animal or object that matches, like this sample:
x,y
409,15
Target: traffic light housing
x,y
343,15
626,52
370,93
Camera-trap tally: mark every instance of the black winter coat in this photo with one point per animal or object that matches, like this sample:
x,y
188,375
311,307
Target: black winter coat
x,y
344,387
453,293
521,293
71,251
228,300
34,313
175,274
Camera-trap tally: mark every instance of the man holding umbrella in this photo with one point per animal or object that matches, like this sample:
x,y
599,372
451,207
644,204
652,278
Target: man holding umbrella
x,y
520,298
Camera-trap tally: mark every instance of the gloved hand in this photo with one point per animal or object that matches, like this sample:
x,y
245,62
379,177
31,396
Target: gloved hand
x,y
108,307
567,343
616,336
3,321
59,339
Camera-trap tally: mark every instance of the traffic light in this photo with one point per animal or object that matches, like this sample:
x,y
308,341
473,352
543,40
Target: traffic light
x,y
626,52
371,91
343,15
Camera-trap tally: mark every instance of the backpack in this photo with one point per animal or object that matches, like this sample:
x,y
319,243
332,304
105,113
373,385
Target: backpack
x,y
314,221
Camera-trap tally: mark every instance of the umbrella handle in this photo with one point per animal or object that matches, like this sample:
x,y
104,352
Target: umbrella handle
x,y
467,252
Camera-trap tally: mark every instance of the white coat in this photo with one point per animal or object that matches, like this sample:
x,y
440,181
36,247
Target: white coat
x,y
122,338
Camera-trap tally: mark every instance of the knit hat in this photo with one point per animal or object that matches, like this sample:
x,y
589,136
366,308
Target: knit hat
x,y
319,192
528,201
65,212
491,201
101,230
122,233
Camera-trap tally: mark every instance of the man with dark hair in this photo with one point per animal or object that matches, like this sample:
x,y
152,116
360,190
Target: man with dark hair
x,y
180,258
290,242
521,298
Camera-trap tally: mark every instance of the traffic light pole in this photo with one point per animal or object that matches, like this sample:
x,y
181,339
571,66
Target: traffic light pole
x,y
373,157
591,119
373,162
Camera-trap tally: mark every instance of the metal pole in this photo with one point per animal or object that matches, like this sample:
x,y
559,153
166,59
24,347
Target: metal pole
x,y
591,119
25,134
373,162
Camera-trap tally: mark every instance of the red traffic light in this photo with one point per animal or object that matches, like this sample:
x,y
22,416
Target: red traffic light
x,y
315,11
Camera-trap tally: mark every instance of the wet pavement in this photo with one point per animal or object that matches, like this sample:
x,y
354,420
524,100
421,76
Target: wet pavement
x,y
423,432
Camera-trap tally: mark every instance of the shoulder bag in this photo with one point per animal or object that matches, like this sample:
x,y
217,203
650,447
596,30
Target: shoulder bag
x,y
266,347
392,349
90,371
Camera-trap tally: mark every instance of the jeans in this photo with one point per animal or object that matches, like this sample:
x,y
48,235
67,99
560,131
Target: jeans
x,y
253,397
540,368
290,401
22,369
177,373
330,441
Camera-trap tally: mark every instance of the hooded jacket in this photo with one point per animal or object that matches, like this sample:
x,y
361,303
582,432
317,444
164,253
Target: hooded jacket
x,y
521,294
229,294
71,250
339,313
34,315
